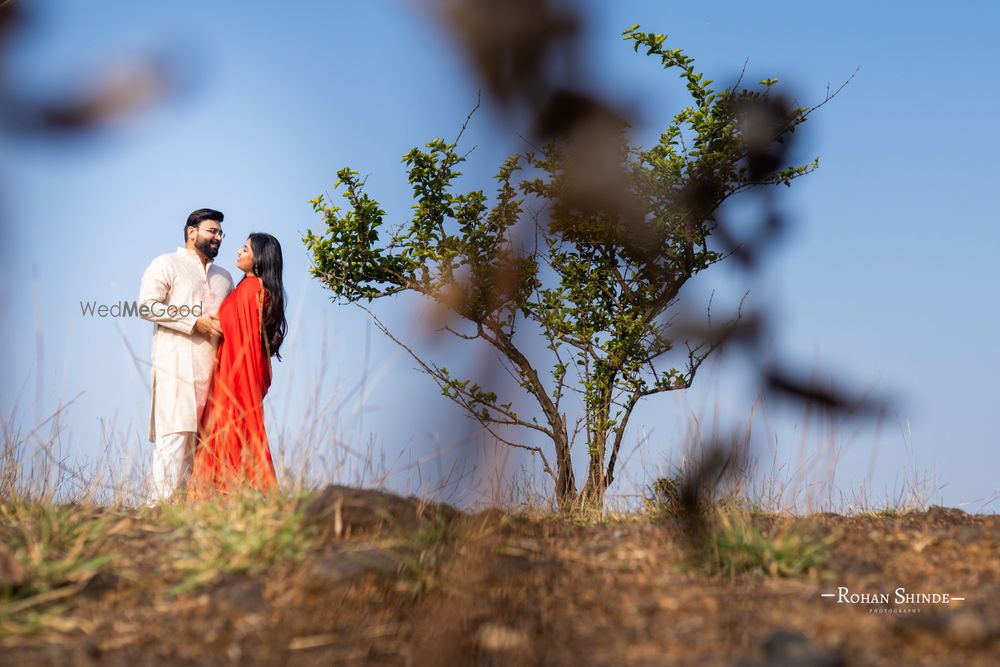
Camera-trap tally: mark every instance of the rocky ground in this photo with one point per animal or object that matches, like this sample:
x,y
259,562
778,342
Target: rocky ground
x,y
393,581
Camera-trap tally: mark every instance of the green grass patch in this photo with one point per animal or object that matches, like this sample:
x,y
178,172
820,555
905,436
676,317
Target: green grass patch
x,y
56,545
738,546
241,532
49,553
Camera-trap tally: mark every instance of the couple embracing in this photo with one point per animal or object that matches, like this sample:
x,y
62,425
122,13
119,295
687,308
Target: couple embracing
x,y
211,363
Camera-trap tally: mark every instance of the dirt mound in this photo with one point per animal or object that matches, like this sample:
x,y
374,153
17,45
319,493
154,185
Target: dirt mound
x,y
388,580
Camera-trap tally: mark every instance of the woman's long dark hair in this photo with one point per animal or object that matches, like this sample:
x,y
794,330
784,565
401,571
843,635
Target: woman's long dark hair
x,y
267,265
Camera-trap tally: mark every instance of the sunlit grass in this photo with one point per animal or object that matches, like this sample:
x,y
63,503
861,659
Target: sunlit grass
x,y
241,532
49,552
738,546
56,545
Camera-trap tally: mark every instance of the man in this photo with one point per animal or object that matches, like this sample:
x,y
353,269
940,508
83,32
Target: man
x,y
181,293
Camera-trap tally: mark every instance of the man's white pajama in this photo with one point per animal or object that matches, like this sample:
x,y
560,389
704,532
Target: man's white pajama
x,y
172,459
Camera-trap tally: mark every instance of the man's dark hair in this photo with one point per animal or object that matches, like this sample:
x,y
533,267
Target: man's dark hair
x,y
199,216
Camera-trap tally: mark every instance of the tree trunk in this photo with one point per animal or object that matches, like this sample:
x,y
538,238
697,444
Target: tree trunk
x,y
565,479
592,495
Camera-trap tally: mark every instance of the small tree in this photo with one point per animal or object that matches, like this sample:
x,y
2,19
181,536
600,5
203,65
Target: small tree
x,y
597,281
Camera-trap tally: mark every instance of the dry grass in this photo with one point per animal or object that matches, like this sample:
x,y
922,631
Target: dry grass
x,y
80,551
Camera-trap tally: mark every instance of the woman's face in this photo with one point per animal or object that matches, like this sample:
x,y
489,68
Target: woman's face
x,y
244,258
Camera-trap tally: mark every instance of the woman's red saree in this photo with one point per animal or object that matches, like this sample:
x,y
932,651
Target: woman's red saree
x,y
232,447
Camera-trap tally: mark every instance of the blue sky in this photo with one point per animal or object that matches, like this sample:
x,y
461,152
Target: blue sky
x,y
886,281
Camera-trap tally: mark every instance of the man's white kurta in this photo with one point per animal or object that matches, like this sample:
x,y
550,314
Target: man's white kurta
x,y
182,359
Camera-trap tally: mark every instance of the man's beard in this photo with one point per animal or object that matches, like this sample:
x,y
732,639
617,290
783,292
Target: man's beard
x,y
206,248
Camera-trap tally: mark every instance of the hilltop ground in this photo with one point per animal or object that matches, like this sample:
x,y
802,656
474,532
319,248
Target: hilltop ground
x,y
358,577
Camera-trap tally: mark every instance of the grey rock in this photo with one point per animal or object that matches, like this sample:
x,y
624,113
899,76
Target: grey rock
x,y
239,592
790,648
962,628
100,584
946,514
345,566
346,509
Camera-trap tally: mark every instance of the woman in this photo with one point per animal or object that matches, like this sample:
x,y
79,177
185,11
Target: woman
x,y
232,444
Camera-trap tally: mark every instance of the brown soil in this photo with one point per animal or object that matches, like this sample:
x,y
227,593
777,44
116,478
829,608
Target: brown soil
x,y
516,590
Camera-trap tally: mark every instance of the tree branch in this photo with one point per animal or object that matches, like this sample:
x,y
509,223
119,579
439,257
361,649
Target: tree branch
x,y
463,397
530,379
619,435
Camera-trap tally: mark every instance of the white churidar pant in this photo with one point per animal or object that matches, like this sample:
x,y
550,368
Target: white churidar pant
x,y
172,459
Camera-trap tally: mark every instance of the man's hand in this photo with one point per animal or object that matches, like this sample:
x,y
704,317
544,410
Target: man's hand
x,y
209,326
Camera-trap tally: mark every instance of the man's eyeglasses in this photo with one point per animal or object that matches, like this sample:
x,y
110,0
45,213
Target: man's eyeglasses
x,y
214,232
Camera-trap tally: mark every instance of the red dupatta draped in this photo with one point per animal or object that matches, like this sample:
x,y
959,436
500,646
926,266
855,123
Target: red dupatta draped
x,y
232,444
